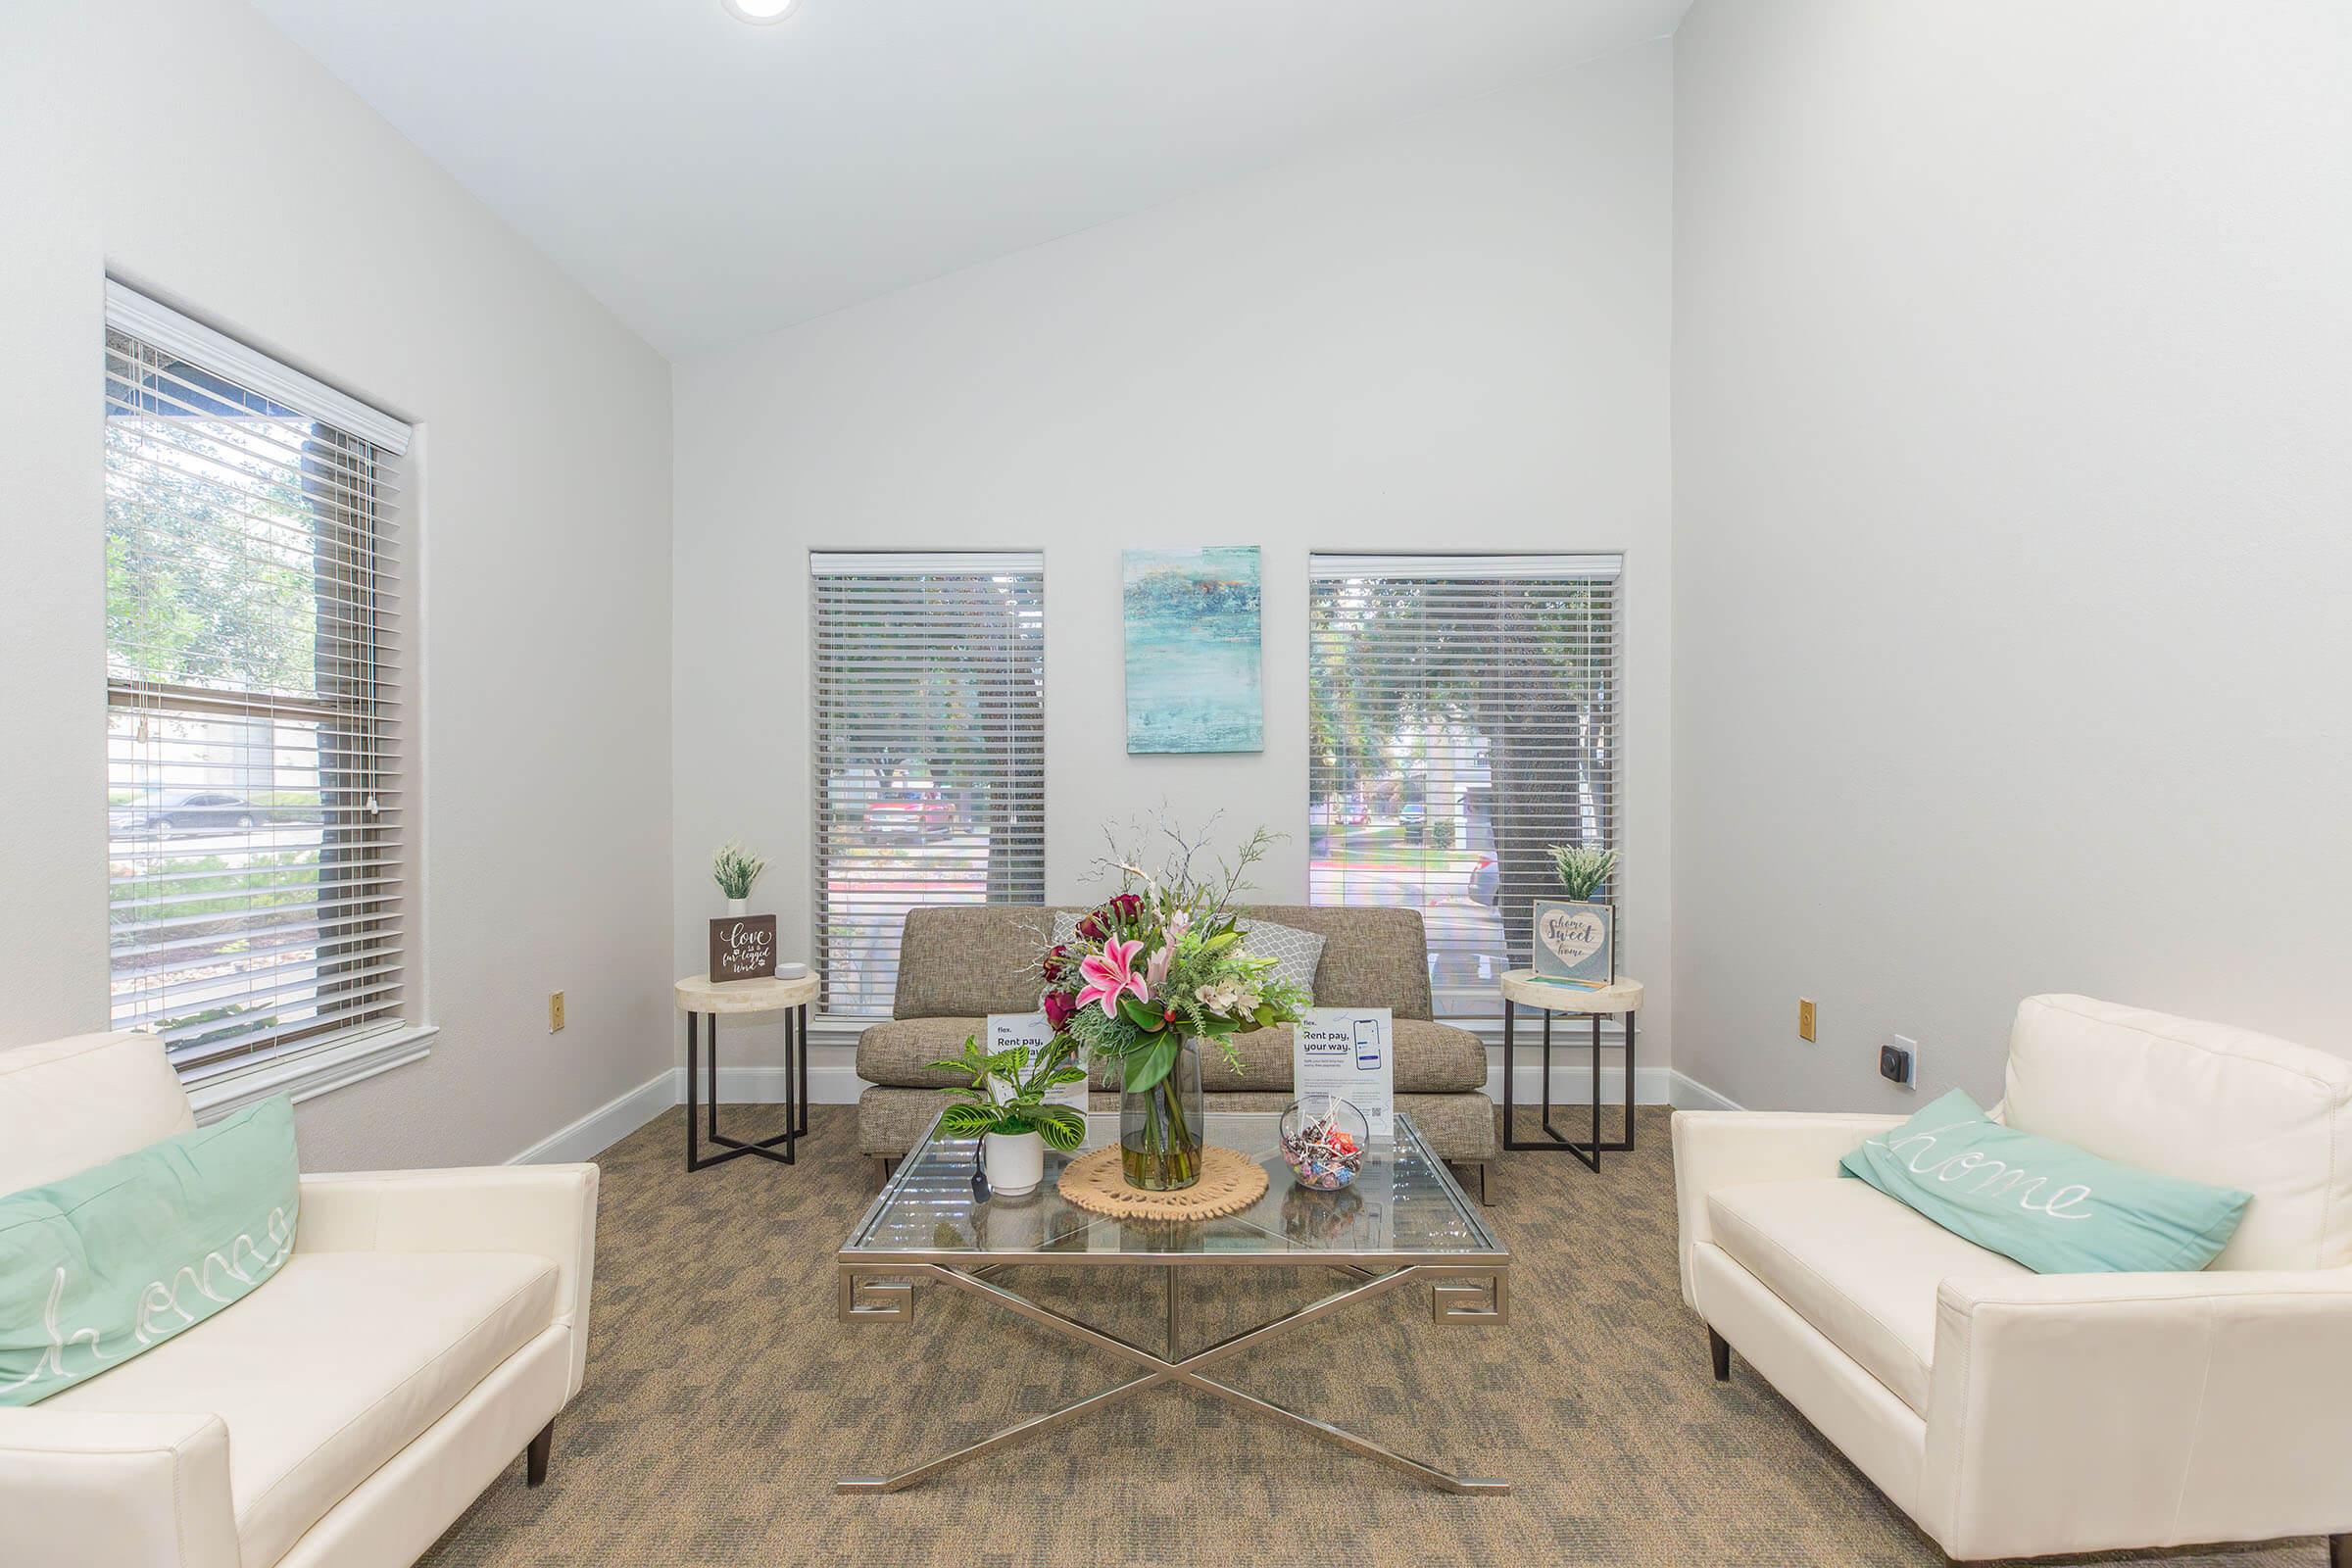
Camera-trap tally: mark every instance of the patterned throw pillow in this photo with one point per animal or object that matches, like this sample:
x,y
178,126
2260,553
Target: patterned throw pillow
x,y
1297,954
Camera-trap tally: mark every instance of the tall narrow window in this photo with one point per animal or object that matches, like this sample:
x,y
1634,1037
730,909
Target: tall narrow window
x,y
929,750
253,700
1463,715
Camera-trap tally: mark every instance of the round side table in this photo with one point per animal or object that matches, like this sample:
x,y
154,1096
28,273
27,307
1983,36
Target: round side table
x,y
702,1000
1620,999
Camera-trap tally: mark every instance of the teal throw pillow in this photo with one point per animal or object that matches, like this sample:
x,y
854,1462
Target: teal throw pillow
x,y
2052,1206
117,1259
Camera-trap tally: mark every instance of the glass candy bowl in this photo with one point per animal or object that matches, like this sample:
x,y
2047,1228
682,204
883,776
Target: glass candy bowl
x,y
1323,1141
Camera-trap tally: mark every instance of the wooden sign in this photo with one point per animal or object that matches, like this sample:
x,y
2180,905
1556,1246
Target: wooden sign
x,y
1576,944
743,947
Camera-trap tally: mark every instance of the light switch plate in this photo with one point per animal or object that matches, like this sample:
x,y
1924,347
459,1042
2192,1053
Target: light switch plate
x,y
1808,1018
555,1012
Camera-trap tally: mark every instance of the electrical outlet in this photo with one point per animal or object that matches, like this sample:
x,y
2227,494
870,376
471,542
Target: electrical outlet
x,y
555,1012
1807,1018
1898,1064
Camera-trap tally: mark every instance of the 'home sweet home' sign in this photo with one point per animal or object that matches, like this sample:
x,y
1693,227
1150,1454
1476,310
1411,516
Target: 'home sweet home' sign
x,y
743,947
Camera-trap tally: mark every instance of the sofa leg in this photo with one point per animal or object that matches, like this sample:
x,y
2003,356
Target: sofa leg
x,y
1485,1174
1721,1350
535,1457
2339,1551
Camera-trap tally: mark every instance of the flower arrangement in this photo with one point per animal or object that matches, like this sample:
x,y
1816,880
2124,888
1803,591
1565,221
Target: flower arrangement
x,y
1157,966
1583,869
735,869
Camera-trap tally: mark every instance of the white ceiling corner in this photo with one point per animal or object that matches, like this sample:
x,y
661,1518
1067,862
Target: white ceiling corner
x,y
708,180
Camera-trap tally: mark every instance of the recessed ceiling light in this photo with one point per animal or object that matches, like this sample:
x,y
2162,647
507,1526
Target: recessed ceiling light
x,y
760,12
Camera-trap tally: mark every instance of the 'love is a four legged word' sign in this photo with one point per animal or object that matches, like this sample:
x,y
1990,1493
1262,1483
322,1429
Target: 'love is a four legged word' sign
x,y
743,947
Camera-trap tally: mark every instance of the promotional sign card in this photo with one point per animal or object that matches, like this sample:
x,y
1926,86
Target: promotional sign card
x,y
1347,1051
1031,1031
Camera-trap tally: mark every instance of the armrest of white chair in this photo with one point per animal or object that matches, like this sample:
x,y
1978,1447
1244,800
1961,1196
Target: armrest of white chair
x,y
134,1491
546,1210
1715,1149
2164,1409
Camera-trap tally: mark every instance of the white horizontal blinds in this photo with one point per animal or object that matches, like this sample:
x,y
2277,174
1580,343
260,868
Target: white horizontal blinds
x,y
255,808
1464,716
927,745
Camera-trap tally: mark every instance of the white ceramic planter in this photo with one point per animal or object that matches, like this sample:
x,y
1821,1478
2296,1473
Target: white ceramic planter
x,y
1016,1164
739,906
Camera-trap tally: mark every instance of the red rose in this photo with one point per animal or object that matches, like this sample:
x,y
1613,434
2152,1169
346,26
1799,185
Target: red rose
x,y
1060,1008
1093,927
1126,906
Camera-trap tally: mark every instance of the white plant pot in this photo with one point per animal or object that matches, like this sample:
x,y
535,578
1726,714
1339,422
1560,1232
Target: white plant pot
x,y
1016,1164
739,906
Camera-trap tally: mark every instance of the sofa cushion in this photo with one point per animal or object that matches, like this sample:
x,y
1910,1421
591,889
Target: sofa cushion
x,y
343,1361
2204,1102
900,1051
1855,1264
972,959
67,1105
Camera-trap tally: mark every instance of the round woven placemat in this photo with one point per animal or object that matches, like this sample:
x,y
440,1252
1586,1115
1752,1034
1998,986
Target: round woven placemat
x,y
1229,1183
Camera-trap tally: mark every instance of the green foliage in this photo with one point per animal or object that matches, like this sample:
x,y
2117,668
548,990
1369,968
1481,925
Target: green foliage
x,y
1583,869
1007,1094
1211,988
735,869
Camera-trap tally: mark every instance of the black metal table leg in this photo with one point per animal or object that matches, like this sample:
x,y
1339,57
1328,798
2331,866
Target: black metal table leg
x,y
800,1035
1553,1141
795,1112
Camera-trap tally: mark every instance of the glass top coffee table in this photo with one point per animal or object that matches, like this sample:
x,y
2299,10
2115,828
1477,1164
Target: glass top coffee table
x,y
1402,1223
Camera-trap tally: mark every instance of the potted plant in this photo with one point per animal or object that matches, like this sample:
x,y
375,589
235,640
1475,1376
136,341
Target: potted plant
x,y
735,869
1158,969
1004,1107
1574,939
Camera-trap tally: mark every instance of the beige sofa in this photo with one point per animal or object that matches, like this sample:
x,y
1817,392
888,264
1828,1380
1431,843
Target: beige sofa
x,y
2016,1415
960,964
429,1326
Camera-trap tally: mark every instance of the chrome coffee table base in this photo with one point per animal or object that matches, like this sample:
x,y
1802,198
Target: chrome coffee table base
x,y
1461,1295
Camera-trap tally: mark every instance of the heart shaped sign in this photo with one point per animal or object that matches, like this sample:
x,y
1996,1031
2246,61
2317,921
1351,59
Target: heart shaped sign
x,y
1571,934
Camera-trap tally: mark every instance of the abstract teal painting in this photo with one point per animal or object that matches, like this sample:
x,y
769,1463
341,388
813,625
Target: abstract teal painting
x,y
1193,644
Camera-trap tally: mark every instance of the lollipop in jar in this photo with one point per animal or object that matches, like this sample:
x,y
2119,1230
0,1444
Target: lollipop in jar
x,y
1323,1141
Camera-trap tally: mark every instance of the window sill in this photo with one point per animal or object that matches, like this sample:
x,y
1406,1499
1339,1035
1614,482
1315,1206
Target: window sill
x,y
305,1074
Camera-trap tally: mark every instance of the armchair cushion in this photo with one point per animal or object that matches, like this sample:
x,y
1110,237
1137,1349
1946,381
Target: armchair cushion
x,y
2205,1101
320,1379
67,1105
1854,1263
111,1261
2047,1205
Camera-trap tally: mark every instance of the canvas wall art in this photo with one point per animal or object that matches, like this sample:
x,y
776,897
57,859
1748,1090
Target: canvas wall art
x,y
1192,647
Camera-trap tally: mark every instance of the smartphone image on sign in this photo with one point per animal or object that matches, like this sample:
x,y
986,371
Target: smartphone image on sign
x,y
1367,1046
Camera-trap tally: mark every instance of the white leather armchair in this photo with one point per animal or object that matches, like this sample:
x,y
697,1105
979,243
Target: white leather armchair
x,y
429,1326
2021,1414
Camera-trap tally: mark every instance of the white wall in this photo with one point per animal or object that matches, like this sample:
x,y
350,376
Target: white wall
x,y
2013,495
1453,334
195,151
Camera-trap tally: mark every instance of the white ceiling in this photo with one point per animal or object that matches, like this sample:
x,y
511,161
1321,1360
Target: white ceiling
x,y
709,180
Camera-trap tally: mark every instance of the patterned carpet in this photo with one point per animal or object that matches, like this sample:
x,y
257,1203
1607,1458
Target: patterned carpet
x,y
723,1400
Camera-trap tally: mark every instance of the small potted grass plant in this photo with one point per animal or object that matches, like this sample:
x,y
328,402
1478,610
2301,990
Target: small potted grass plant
x,y
1574,939
1004,1107
735,869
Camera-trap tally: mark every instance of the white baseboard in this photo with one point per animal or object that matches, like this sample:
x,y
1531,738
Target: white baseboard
x,y
1689,1094
605,1125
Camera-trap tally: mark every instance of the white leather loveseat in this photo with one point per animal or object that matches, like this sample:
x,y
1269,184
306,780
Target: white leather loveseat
x,y
429,1325
2019,1414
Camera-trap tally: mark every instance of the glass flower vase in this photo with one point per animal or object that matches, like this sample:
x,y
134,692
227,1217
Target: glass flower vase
x,y
1160,1127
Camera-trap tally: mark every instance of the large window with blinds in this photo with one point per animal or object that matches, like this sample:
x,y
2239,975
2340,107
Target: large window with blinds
x,y
1463,715
254,804
928,742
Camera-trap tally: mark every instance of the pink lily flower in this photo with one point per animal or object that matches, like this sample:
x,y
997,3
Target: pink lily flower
x,y
1155,967
1111,972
